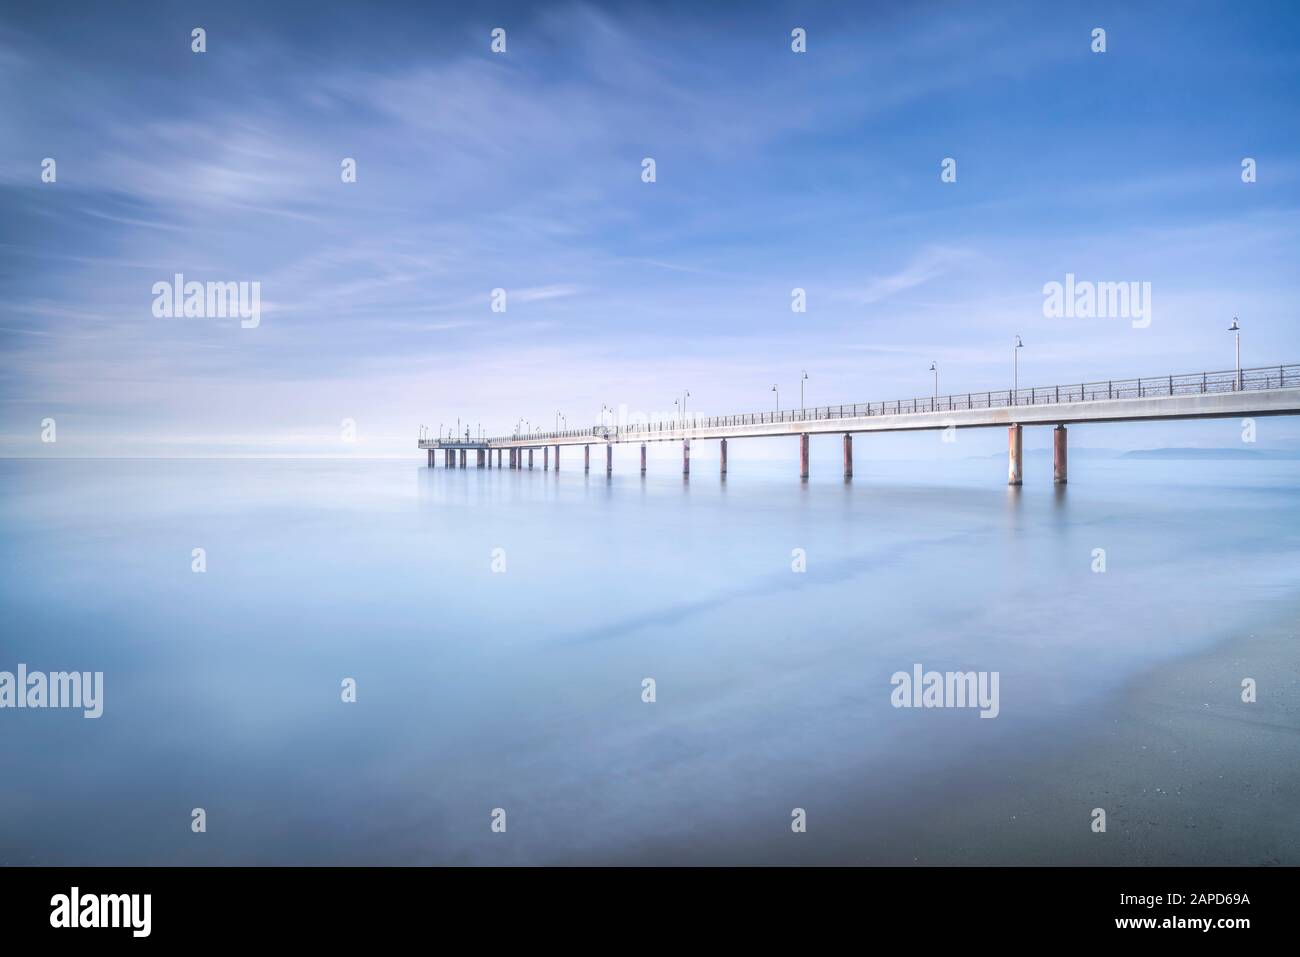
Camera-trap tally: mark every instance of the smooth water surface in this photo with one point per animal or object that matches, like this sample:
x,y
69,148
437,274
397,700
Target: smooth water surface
x,y
522,689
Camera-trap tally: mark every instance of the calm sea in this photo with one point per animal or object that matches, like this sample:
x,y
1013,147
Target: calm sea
x,y
514,679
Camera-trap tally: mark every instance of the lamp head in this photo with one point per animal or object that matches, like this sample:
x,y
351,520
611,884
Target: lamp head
x,y
1235,327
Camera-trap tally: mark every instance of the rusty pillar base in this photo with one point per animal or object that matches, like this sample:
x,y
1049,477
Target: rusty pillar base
x,y
1059,469
1015,455
722,458
609,459
546,458
686,456
848,456
557,458
803,455
530,459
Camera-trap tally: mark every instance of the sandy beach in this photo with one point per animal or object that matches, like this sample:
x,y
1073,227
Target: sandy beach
x,y
1187,773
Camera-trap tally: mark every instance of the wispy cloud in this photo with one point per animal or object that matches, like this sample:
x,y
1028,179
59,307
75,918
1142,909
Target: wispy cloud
x,y
522,172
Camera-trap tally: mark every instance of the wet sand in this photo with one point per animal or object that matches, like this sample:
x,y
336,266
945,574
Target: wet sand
x,y
1188,774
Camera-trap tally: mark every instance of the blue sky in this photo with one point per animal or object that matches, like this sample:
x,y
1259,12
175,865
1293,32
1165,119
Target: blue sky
x,y
522,171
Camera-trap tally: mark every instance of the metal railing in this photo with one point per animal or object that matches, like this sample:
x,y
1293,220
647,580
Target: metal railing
x,y
1196,383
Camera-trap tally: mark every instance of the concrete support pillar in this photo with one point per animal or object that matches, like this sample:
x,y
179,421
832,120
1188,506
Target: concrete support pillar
x,y
430,458
1058,455
546,458
586,458
609,459
530,459
643,458
1015,455
686,456
722,458
498,458
463,454
481,458
557,458
848,456
803,455
449,458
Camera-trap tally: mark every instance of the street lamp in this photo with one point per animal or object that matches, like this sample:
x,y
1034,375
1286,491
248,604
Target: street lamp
x,y
685,395
935,369
778,397
803,378
1015,370
1235,328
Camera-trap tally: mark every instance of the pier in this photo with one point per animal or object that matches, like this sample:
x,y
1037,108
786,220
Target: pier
x,y
1263,391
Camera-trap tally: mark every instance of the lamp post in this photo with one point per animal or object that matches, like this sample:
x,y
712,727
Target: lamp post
x,y
802,379
778,397
1015,370
935,369
1235,329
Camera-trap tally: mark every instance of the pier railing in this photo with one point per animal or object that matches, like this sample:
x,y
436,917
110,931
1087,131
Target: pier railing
x,y
1195,383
